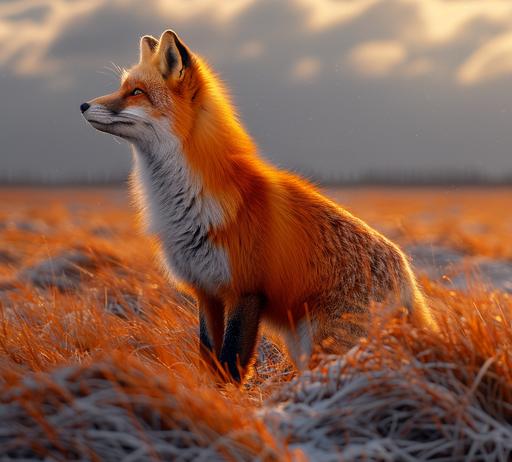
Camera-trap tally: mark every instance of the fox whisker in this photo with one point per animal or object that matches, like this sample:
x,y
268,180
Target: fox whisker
x,y
117,70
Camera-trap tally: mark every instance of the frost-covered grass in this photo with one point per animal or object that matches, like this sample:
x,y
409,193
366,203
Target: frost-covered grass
x,y
99,356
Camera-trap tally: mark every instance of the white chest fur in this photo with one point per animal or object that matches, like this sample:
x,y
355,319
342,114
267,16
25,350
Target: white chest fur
x,y
179,212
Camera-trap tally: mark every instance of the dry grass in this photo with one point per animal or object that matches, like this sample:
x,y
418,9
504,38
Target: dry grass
x,y
98,355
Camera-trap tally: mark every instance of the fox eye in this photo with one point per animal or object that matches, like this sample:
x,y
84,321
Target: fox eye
x,y
136,91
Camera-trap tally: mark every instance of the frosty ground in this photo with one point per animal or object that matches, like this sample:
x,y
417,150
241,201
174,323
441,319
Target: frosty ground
x,y
98,353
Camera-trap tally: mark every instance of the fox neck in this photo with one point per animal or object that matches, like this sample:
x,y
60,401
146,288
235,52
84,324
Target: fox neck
x,y
218,148
177,208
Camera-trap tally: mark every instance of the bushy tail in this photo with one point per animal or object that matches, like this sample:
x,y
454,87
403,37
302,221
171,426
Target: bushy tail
x,y
419,312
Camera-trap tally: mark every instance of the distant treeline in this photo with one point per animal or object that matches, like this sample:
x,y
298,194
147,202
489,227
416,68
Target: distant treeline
x,y
433,178
66,181
418,179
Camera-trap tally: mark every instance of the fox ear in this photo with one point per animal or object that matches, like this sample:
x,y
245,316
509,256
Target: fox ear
x,y
148,45
174,56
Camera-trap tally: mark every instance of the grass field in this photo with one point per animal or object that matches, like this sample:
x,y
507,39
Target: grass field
x,y
99,354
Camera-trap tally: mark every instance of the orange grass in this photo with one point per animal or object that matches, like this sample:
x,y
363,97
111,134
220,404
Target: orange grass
x,y
124,339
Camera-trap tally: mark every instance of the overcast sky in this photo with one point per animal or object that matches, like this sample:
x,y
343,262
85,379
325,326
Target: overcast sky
x,y
330,87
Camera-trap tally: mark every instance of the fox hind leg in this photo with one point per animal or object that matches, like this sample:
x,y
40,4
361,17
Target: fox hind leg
x,y
328,332
299,343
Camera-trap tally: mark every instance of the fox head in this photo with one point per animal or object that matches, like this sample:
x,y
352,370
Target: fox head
x,y
170,105
157,96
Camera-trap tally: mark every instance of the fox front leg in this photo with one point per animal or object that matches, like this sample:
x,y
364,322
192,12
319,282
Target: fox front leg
x,y
211,328
240,335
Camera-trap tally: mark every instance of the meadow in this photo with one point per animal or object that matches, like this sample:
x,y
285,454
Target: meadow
x,y
99,356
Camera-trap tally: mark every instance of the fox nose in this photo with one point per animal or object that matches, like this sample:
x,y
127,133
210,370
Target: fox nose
x,y
84,107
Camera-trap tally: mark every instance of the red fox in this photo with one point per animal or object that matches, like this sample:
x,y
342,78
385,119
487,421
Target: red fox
x,y
252,242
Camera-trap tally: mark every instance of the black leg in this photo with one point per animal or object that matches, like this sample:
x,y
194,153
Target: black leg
x,y
240,335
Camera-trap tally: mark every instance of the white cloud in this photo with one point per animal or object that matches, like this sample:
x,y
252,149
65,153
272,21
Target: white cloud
x,y
441,21
326,13
251,49
377,59
25,40
409,48
491,60
418,67
217,10
306,68
24,43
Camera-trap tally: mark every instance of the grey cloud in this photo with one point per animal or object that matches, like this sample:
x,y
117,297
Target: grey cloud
x,y
333,124
35,13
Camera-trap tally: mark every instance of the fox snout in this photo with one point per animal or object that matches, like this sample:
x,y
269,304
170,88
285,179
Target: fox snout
x,y
116,114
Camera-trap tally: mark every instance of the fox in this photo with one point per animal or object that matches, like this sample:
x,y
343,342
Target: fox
x,y
255,245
